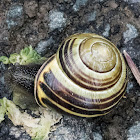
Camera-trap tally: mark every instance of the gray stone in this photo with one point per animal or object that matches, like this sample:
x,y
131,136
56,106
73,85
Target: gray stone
x,y
2,79
129,86
78,4
57,20
130,33
15,132
97,136
132,1
107,29
15,16
134,132
91,16
44,46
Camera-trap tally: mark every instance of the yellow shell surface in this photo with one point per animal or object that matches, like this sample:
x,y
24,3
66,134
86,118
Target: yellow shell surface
x,y
86,77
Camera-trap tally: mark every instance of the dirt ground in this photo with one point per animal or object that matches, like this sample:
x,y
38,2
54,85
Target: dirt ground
x,y
44,24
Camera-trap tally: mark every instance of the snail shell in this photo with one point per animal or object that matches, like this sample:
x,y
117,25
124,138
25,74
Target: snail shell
x,y
86,77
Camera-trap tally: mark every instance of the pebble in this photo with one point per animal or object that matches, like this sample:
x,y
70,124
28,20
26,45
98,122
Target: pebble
x,y
132,1
15,132
57,20
44,46
91,16
106,32
4,130
130,33
15,16
97,136
78,4
129,87
134,132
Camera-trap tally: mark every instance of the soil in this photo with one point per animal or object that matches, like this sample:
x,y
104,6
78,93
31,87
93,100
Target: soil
x,y
44,24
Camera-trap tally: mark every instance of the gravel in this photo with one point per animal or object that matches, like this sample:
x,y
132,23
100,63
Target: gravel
x,y
44,24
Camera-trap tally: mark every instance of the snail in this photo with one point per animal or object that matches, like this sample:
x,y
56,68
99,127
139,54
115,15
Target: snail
x,y
86,77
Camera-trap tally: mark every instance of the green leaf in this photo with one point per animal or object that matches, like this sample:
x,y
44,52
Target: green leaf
x,y
26,56
4,59
15,58
37,128
2,109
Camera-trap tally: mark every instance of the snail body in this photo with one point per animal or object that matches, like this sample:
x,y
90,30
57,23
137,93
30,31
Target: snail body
x,y
86,77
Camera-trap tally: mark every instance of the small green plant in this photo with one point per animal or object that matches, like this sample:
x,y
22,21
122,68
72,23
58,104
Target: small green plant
x,y
26,56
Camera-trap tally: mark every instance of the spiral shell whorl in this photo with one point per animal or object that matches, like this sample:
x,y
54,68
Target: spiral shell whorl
x,y
86,77
90,60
